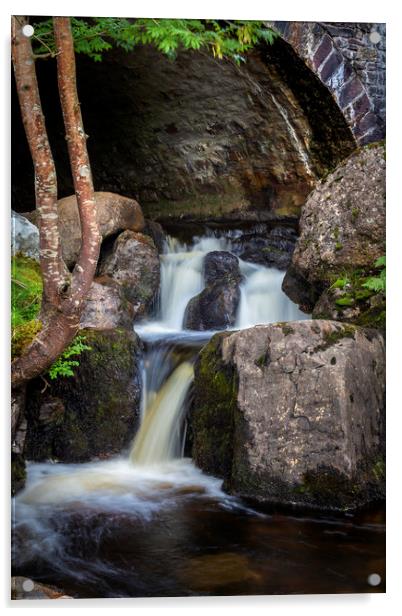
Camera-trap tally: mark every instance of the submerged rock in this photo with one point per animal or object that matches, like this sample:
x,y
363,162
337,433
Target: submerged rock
x,y
292,413
25,588
134,265
115,213
24,236
216,306
342,226
93,413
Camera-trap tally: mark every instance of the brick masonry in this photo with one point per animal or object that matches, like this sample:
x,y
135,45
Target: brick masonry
x,y
350,64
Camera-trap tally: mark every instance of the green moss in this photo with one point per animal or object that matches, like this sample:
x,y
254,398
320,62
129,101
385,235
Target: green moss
x,y
336,233
343,331
22,335
355,213
26,294
286,328
338,246
26,289
346,300
212,418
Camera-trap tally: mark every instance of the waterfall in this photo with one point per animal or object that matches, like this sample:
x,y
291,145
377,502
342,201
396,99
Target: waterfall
x,y
153,479
166,382
158,439
262,299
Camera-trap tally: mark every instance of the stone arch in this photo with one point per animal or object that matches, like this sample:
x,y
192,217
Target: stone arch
x,y
350,64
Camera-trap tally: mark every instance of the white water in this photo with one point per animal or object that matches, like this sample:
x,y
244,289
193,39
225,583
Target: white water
x,y
158,439
152,477
262,299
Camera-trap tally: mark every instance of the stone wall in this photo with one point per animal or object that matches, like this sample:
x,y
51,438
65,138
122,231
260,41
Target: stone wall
x,y
349,58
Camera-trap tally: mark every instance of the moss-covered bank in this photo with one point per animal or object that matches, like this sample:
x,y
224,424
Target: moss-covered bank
x,y
93,413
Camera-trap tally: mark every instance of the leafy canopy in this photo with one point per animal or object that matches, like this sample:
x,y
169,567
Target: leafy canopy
x,y
93,36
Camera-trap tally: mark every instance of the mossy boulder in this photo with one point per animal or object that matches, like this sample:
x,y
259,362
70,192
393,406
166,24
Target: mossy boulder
x,y
93,413
342,226
293,415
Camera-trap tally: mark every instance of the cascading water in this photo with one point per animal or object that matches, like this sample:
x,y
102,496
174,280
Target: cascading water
x,y
150,523
158,439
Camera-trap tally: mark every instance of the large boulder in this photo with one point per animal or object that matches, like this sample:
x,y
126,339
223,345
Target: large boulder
x,y
115,213
134,265
106,308
93,413
216,306
342,226
292,413
24,236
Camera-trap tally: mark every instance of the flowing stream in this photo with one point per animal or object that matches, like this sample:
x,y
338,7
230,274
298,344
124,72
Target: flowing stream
x,y
149,523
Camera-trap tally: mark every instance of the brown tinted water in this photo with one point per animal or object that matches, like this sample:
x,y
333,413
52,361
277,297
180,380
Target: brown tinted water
x,y
189,540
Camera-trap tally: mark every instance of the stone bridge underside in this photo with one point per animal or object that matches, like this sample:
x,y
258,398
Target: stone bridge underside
x,y
208,138
349,59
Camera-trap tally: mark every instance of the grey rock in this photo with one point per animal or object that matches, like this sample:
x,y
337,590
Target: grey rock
x,y
134,265
220,265
115,213
18,437
342,226
24,236
292,413
106,308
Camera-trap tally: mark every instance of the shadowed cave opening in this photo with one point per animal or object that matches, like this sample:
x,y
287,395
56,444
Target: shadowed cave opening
x,y
195,136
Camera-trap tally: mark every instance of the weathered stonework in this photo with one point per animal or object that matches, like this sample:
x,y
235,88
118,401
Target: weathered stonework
x,y
350,64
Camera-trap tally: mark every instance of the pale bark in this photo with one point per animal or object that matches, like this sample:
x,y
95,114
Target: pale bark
x,y
52,266
62,314
85,267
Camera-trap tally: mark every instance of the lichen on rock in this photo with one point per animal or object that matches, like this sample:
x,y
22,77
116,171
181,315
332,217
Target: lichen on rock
x,y
342,227
293,415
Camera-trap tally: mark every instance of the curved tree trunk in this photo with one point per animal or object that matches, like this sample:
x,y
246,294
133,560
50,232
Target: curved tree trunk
x,y
62,314
85,267
52,266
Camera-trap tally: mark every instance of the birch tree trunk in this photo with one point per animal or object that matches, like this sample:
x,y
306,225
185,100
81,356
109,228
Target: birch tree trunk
x,y
63,301
52,266
85,267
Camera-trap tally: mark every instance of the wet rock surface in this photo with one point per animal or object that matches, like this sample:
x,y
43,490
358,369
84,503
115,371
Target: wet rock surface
x,y
25,588
93,413
273,250
18,436
216,306
292,413
342,226
134,265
